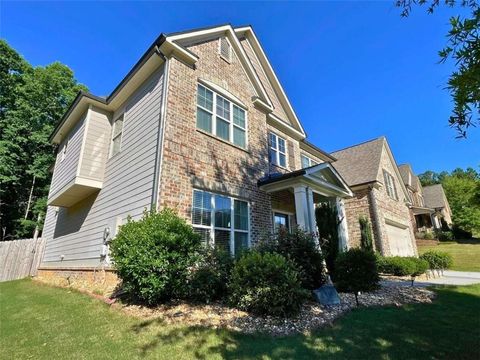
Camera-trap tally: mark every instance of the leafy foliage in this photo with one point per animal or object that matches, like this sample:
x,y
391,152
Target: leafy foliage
x,y
209,277
153,256
462,189
32,100
437,260
444,235
301,248
463,48
327,224
402,266
356,271
366,240
266,283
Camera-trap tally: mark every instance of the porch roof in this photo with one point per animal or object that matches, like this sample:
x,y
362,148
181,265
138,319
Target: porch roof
x,y
322,178
417,210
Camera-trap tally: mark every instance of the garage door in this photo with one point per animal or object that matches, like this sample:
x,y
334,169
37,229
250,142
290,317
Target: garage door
x,y
399,239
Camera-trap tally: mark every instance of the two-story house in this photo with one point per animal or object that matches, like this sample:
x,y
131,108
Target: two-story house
x,y
201,124
420,214
380,195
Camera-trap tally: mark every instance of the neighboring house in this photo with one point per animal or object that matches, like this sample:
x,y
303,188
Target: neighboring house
x,y
370,170
200,124
420,214
436,199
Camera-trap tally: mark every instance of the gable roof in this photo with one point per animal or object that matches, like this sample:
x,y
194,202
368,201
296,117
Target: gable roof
x,y
434,196
359,164
406,169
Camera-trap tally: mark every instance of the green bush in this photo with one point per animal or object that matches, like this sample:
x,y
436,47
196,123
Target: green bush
x,y
327,224
420,235
302,249
152,256
366,241
438,260
356,270
266,283
209,277
460,233
396,265
429,236
444,235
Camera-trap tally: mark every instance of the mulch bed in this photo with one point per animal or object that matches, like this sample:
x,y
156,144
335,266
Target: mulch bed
x,y
312,316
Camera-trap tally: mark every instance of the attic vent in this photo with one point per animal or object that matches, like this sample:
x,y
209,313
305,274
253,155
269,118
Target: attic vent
x,y
225,49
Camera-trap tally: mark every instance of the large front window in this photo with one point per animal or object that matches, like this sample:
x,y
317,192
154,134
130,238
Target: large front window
x,y
221,220
277,150
220,117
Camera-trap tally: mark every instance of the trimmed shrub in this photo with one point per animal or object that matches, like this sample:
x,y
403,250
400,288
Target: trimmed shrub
x,y
356,271
396,265
444,235
302,249
460,234
266,284
366,240
437,260
209,277
420,235
152,256
429,236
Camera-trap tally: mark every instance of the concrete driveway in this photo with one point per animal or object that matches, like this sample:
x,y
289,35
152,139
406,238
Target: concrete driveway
x,y
449,278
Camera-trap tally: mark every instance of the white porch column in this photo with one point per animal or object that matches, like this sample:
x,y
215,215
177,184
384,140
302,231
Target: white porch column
x,y
342,224
305,208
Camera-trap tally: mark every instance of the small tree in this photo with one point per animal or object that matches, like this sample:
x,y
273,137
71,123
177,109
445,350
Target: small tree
x,y
327,224
366,240
356,270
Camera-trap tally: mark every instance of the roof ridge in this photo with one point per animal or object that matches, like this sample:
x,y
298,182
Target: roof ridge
x,y
382,137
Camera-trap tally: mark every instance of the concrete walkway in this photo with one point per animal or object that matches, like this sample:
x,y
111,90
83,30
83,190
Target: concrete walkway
x,y
449,278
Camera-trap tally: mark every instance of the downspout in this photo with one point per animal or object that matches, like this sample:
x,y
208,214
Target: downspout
x,y
376,219
161,133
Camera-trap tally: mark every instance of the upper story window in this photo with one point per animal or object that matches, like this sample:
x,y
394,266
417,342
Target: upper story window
x,y
220,117
225,49
117,135
64,150
221,220
390,185
307,162
277,152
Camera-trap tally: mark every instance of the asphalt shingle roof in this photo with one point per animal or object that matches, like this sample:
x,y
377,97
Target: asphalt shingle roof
x,y
434,196
359,164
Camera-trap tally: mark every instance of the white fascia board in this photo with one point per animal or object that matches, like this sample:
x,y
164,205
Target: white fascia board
x,y
283,126
346,189
257,47
232,37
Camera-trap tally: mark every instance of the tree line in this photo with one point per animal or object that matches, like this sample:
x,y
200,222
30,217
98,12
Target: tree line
x,y
32,100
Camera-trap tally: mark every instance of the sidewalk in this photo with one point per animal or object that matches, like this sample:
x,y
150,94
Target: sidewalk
x,y
449,278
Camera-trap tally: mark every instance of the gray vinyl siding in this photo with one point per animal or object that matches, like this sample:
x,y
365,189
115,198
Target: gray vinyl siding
x,y
77,232
66,170
96,146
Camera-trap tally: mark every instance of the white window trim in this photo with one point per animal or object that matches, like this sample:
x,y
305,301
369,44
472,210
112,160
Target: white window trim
x,y
113,137
231,125
64,150
229,59
311,162
283,212
212,226
277,150
390,185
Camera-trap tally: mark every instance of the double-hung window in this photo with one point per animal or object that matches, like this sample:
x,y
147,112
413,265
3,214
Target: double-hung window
x,y
277,152
117,135
390,185
221,220
307,162
221,117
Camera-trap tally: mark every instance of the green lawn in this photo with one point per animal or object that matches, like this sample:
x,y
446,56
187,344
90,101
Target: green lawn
x,y
466,255
41,322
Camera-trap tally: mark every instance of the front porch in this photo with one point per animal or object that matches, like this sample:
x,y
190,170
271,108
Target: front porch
x,y
295,195
424,220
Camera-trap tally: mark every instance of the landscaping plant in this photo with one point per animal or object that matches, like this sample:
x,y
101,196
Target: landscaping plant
x,y
267,284
438,260
208,279
153,256
301,248
327,225
402,266
356,271
366,240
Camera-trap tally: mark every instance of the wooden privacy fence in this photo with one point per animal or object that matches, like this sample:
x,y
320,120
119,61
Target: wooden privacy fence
x,y
20,258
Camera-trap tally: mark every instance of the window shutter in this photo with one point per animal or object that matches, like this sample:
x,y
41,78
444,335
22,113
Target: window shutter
x,y
291,156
